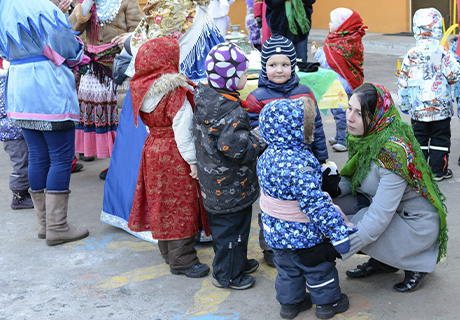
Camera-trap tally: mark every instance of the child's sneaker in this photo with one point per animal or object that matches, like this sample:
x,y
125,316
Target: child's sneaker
x,y
290,311
327,311
339,147
21,200
332,141
447,175
251,266
247,282
196,271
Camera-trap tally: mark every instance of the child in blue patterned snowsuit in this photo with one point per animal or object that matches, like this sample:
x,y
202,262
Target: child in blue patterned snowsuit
x,y
300,223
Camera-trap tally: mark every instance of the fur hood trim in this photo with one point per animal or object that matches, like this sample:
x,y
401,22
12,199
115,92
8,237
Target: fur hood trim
x,y
167,83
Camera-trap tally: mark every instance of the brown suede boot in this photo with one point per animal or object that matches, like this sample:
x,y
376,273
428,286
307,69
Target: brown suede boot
x,y
38,197
57,229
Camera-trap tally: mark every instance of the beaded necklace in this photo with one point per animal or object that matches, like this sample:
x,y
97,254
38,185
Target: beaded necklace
x,y
107,10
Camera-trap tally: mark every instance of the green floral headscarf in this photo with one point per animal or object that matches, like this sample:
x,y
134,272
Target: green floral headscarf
x,y
391,144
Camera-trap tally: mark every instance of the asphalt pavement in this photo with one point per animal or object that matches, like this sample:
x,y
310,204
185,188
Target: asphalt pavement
x,y
114,275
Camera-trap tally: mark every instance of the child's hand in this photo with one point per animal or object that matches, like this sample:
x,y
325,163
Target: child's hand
x,y
314,49
194,173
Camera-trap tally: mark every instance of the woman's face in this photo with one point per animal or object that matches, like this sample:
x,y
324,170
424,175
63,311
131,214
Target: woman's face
x,y
355,122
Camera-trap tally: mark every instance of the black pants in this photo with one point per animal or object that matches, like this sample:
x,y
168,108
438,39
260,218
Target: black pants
x,y
434,140
230,234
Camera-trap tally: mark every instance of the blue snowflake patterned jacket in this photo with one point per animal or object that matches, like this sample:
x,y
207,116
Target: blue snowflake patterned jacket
x,y
288,171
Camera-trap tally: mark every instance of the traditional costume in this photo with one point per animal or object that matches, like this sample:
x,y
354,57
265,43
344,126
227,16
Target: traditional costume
x,y
343,52
197,34
166,201
37,39
98,118
386,164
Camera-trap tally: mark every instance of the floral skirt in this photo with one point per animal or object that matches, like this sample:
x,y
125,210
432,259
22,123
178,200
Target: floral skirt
x,y
96,131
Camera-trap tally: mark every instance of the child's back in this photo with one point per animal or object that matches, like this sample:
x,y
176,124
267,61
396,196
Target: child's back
x,y
287,170
427,71
227,151
297,216
226,159
424,90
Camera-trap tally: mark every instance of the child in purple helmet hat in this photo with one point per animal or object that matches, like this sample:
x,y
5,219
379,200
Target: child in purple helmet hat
x,y
226,153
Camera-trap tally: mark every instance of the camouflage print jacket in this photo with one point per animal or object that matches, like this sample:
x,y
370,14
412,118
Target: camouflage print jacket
x,y
226,151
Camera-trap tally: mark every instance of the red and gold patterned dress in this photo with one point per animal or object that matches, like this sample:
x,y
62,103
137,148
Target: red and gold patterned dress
x,y
166,198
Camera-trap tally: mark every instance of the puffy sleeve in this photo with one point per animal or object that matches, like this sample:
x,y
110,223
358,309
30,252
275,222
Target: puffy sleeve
x,y
450,67
133,15
318,207
319,147
236,141
403,86
183,132
66,44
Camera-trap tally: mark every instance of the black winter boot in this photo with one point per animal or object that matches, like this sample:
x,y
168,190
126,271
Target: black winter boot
x,y
21,200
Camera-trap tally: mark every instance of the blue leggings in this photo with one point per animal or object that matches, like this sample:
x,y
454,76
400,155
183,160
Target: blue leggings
x,y
50,158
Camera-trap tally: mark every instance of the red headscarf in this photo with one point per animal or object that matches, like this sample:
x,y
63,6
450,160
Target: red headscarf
x,y
345,52
155,58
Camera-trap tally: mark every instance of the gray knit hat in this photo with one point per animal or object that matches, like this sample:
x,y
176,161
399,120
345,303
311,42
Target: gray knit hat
x,y
278,45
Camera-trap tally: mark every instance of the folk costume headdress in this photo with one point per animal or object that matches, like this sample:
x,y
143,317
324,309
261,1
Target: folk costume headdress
x,y
391,144
157,73
187,21
344,49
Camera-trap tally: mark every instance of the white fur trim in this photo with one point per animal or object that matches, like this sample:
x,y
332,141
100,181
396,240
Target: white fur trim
x,y
167,83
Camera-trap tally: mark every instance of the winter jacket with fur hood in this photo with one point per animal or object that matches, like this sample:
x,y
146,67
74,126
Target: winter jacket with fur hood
x,y
226,151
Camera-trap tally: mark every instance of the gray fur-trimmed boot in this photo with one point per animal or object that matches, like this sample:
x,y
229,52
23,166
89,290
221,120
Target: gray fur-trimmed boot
x,y
57,229
38,197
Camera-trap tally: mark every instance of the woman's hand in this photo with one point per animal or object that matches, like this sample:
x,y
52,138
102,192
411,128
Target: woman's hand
x,y
64,6
193,173
120,40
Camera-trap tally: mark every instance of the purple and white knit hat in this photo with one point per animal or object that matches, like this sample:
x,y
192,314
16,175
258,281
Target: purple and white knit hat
x,y
225,64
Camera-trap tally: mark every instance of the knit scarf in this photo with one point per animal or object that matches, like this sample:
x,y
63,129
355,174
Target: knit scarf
x,y
391,144
295,13
345,52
